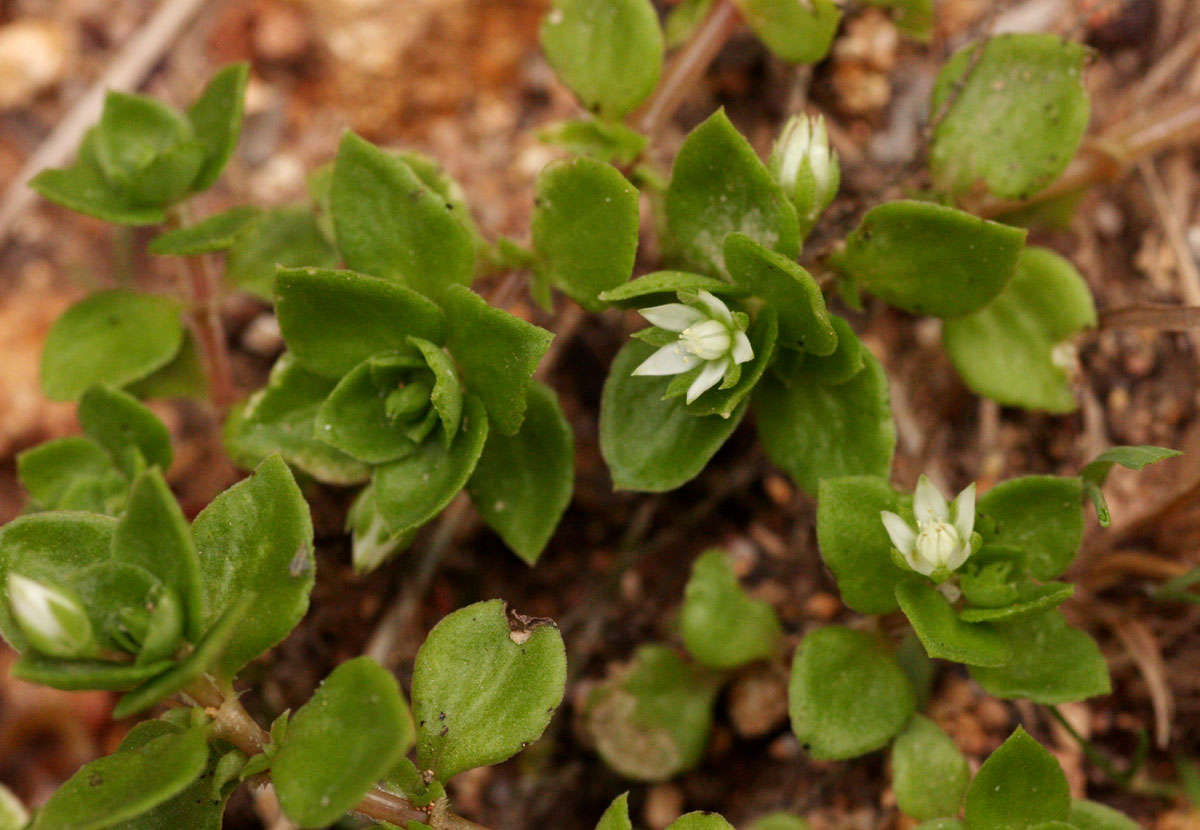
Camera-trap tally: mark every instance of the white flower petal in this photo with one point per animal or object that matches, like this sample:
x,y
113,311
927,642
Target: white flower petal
x,y
928,502
672,316
954,562
964,513
742,350
716,309
709,376
900,532
671,359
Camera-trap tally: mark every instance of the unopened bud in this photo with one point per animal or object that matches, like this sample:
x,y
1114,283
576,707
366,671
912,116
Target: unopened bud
x,y
806,167
52,619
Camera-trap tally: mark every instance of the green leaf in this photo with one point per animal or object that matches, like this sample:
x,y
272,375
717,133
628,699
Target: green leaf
x,y
941,824
334,320
114,337
404,778
847,360
215,646
664,286
1096,473
1020,784
496,352
930,259
280,419
49,548
216,118
779,821
131,433
83,188
1006,351
287,237
652,721
608,141
74,675
134,130
944,634
347,737
697,820
107,588
183,377
167,178
1031,599
389,223
815,431
1041,515
788,288
256,538
411,491
847,696
1051,663
993,125
154,535
720,186
651,444
213,233
609,52
585,227
372,543
683,19
914,18
523,483
485,684
50,471
722,626
1090,815
929,774
799,31
127,783
616,817
762,334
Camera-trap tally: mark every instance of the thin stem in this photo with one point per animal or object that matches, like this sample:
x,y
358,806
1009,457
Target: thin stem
x,y
1122,778
204,286
688,66
232,723
1152,316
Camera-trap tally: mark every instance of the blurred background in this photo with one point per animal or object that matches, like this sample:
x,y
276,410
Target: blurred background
x,y
463,81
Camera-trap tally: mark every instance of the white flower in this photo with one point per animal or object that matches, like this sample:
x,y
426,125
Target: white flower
x,y
710,337
805,166
51,619
943,537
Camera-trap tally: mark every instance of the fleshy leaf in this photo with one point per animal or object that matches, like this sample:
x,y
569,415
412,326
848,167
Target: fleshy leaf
x,y
944,634
1006,350
131,433
1052,663
280,418
609,141
930,259
651,444
334,320
485,684
213,233
523,483
799,31
114,337
283,237
216,119
816,431
1019,785
1096,473
75,675
847,696
1090,815
496,352
652,721
697,820
183,377
585,227
347,737
616,817
720,186
1041,515
127,783
412,490
49,473
788,288
256,538
779,821
609,52
992,124
662,287
390,224
722,626
929,774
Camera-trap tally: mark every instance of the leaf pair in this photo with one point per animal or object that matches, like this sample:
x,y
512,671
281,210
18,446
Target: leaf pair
x,y
144,156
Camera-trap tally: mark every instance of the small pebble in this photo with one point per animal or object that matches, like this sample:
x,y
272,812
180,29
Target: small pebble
x,y
664,804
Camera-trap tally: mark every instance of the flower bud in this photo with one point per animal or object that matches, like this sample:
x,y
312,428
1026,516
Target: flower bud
x,y
805,166
408,402
52,619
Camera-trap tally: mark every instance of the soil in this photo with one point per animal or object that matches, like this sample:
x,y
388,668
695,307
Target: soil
x,y
463,80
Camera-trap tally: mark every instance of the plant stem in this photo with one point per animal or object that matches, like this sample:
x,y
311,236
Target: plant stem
x,y
232,723
204,287
688,65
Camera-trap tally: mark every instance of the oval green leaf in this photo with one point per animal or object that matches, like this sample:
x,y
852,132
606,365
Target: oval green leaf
x,y
1041,515
722,626
1052,663
1019,785
929,774
944,634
